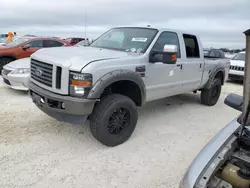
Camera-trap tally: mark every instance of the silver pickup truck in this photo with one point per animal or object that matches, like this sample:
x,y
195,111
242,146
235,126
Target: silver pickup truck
x,y
124,68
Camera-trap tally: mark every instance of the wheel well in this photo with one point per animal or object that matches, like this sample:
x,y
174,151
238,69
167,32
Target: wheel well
x,y
127,88
220,75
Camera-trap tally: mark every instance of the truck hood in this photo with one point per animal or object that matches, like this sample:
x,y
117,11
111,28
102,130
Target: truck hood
x,y
20,63
237,63
76,58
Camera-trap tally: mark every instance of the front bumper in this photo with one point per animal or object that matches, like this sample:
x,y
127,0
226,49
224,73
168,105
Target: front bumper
x,y
236,75
63,108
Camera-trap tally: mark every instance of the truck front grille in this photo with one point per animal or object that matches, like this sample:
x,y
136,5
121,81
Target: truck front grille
x,y
237,68
41,72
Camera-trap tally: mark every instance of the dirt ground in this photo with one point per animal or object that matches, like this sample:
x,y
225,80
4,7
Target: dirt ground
x,y
39,152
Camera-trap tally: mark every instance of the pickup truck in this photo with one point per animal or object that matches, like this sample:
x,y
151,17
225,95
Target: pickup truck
x,y
124,68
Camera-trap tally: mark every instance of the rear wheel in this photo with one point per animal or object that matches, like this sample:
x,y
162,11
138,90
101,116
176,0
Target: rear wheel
x,y
210,96
4,61
113,120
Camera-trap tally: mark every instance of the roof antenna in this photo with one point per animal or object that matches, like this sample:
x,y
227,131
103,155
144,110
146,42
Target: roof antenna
x,y
86,26
148,25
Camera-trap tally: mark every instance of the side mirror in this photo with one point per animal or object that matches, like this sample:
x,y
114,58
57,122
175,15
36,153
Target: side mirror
x,y
235,101
168,55
26,46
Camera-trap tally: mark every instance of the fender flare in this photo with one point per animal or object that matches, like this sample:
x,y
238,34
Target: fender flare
x,y
212,76
114,76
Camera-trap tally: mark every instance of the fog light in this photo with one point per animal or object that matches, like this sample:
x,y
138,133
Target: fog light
x,y
63,105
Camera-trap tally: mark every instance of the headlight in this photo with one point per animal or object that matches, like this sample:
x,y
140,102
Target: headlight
x,y
21,71
80,84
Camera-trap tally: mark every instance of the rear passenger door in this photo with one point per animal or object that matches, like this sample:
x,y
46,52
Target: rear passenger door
x,y
193,63
52,43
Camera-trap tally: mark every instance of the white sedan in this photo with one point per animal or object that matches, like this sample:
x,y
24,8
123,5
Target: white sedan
x,y
16,74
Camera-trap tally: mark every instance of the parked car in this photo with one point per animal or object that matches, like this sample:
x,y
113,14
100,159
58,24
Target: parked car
x,y
2,41
25,46
124,68
237,64
74,41
16,74
225,161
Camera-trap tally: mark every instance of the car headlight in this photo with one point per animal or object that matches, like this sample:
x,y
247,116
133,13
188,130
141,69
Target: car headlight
x,y
21,71
80,84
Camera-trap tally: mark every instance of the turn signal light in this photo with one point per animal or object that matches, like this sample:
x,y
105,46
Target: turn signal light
x,y
81,83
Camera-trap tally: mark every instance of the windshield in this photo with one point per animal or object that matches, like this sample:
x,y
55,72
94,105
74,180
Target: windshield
x,y
17,42
239,56
126,39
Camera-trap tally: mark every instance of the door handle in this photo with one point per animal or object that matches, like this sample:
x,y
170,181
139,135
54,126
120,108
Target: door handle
x,y
179,65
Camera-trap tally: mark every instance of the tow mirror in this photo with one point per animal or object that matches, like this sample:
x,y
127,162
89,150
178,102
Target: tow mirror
x,y
235,101
168,55
26,46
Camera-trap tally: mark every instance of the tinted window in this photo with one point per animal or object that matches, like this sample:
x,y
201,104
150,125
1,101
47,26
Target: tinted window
x,y
52,43
167,38
36,44
192,47
211,54
217,53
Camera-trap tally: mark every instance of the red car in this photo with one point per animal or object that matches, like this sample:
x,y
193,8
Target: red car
x,y
25,46
74,41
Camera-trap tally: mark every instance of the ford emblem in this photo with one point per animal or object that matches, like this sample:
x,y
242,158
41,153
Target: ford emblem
x,y
39,72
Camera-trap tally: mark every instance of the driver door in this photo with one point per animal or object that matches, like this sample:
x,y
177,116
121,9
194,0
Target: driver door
x,y
34,46
163,80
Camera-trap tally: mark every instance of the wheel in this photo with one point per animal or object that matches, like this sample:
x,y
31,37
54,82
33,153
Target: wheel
x,y
210,96
4,61
113,119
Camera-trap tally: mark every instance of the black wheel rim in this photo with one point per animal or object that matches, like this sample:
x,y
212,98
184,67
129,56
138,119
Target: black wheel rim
x,y
215,92
118,121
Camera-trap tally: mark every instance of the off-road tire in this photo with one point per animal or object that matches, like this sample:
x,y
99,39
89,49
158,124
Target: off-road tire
x,y
100,119
4,61
211,96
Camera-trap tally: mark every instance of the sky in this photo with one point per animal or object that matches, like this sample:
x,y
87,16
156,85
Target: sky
x,y
219,23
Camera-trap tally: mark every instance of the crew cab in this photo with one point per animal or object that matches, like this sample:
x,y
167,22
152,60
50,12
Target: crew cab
x,y
124,68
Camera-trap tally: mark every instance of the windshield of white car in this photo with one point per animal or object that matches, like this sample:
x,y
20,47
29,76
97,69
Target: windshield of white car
x,y
17,42
129,39
239,56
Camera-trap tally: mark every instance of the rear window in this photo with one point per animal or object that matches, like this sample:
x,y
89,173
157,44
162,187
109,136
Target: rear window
x,y
239,56
192,47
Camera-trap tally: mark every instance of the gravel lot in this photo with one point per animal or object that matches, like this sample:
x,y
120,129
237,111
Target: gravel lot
x,y
37,151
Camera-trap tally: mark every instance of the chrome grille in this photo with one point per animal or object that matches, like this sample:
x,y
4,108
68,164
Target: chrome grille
x,y
41,72
237,68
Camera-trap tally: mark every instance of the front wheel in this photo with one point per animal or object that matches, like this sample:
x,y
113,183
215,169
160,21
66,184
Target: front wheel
x,y
113,120
211,96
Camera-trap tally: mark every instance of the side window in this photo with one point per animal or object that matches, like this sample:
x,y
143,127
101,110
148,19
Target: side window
x,y
36,44
222,55
52,43
217,54
212,53
167,38
192,47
